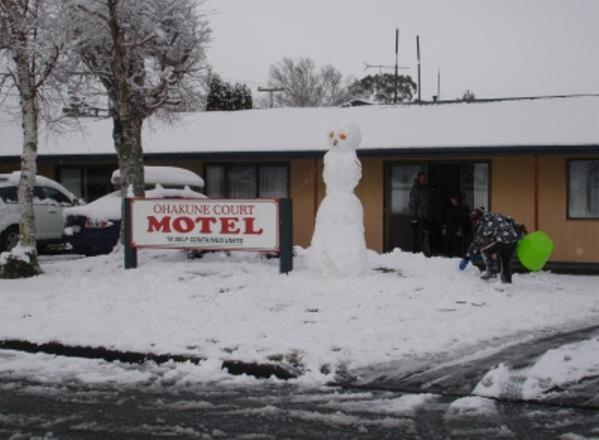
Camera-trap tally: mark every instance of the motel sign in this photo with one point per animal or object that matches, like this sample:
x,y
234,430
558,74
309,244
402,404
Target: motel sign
x,y
261,225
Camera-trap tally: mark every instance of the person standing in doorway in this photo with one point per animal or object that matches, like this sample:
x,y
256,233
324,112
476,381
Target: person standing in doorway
x,y
456,227
420,212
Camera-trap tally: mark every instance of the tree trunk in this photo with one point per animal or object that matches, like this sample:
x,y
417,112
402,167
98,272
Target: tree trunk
x,y
29,115
127,140
127,116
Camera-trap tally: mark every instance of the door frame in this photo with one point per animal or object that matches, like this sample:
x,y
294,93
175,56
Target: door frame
x,y
426,162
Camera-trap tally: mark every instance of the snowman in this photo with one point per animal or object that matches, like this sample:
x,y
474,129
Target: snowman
x,y
338,247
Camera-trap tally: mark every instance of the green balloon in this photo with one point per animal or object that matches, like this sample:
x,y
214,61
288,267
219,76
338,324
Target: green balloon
x,y
534,250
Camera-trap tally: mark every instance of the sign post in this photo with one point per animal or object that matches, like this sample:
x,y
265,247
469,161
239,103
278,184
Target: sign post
x,y
285,236
130,251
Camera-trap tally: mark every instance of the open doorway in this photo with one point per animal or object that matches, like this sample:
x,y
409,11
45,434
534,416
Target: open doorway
x,y
470,180
444,180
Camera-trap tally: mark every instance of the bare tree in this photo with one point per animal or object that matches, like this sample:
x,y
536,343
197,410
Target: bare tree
x,y
33,48
305,85
146,55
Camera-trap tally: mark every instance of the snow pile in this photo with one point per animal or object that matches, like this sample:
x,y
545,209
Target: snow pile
x,y
239,307
20,253
567,365
553,371
405,406
471,407
338,246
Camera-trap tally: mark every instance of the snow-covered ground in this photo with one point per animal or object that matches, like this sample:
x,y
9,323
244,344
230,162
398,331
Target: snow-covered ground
x,y
239,307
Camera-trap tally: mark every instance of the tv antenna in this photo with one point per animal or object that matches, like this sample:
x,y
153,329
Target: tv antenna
x,y
395,67
271,91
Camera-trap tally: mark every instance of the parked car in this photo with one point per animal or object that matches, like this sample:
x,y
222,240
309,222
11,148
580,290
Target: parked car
x,y
50,198
94,228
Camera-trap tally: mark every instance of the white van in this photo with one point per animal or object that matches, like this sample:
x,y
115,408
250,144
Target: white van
x,y
49,200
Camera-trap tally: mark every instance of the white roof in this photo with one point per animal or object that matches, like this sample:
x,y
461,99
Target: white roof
x,y
539,122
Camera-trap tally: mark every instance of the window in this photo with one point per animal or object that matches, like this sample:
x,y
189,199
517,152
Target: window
x,y
474,179
242,182
8,194
88,183
39,194
247,181
476,185
71,179
583,189
402,180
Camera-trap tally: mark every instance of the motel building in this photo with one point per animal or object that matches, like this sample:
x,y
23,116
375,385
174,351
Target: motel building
x,y
536,159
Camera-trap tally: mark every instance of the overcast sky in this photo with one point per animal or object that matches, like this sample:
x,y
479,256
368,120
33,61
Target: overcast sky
x,y
492,47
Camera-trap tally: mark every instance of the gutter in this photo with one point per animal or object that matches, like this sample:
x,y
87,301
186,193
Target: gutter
x,y
236,155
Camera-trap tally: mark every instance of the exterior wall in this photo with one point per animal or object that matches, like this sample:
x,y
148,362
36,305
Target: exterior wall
x,y
47,171
512,191
513,188
9,167
308,190
370,191
304,184
574,240
43,170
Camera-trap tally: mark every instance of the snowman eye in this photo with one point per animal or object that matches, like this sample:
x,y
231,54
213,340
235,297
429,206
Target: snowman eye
x,y
331,134
343,136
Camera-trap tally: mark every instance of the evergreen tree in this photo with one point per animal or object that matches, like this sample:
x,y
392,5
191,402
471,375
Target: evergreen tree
x,y
468,96
227,97
380,88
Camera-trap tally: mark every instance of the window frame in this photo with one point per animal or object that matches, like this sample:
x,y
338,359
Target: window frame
x,y
568,163
256,165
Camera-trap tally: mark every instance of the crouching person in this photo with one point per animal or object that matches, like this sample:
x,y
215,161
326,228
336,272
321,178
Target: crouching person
x,y
495,239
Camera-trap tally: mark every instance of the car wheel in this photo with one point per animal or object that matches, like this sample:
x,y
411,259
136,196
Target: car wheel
x,y
9,239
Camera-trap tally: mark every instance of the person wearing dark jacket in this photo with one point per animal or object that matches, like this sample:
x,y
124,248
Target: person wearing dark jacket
x,y
495,234
456,227
420,211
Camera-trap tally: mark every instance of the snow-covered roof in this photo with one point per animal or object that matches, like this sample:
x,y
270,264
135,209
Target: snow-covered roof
x,y
572,121
164,176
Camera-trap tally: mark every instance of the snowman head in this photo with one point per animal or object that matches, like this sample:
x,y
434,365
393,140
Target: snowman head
x,y
344,137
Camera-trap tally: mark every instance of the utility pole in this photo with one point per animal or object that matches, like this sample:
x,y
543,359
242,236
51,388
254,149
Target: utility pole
x,y
394,67
439,83
271,91
396,78
418,58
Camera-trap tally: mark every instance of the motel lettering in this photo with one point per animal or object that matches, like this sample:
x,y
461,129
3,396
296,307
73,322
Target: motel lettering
x,y
204,225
